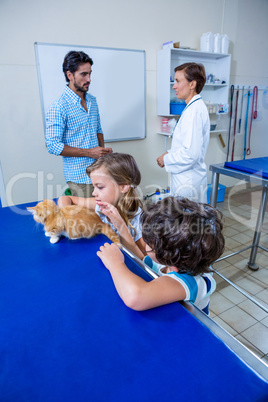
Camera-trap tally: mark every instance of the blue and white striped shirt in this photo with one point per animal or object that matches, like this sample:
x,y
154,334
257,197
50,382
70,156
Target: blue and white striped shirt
x,y
67,122
197,288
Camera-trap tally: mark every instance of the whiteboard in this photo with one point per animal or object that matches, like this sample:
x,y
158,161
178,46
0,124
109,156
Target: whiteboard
x,y
117,81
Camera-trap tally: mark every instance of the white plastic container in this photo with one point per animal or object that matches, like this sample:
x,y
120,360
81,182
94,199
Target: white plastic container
x,y
165,126
217,43
225,44
206,42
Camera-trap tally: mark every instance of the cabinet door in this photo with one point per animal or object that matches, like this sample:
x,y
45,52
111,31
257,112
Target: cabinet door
x,y
163,82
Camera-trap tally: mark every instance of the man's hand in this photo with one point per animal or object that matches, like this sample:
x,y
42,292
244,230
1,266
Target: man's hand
x,y
97,152
94,153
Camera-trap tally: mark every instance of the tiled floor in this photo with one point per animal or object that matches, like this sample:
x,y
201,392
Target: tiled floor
x,y
228,307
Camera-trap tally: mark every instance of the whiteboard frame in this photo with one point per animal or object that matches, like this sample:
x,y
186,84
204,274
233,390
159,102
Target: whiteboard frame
x,y
77,47
3,196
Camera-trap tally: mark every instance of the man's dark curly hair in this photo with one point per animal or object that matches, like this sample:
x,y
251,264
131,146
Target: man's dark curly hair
x,y
183,233
73,60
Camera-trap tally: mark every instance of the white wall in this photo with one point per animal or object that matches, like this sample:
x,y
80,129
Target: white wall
x,y
29,171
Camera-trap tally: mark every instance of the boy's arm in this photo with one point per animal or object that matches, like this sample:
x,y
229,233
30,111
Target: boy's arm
x,y
127,241
135,292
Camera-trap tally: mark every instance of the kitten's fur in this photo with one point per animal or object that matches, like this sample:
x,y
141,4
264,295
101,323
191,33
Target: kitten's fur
x,y
72,221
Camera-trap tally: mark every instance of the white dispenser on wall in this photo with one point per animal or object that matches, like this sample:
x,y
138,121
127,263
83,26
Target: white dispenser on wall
x,y
217,43
225,44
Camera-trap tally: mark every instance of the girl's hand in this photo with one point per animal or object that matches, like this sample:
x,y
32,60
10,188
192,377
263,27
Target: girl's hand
x,y
112,214
110,255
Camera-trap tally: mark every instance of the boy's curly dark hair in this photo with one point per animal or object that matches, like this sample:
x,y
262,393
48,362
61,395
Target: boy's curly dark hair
x,y
183,233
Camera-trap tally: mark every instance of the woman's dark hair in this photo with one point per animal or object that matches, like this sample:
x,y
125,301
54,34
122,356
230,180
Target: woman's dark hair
x,y
194,72
183,234
73,60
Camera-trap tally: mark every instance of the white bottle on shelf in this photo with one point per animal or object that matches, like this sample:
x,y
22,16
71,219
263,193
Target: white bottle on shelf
x,y
217,43
224,44
207,42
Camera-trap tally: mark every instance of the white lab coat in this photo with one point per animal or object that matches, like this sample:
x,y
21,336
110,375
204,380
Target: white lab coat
x,y
185,159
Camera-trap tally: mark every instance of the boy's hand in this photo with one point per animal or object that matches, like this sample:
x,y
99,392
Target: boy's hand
x,y
110,255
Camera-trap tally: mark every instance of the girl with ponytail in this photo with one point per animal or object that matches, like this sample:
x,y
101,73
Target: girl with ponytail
x,y
115,177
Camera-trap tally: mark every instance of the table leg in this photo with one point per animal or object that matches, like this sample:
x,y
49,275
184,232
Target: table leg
x,y
214,189
251,264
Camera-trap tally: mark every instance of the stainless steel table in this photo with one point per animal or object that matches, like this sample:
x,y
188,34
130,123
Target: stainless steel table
x,y
252,178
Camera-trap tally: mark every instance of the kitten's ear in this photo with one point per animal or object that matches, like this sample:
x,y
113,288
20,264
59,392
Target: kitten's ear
x,y
31,209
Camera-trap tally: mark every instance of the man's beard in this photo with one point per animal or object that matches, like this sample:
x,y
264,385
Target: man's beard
x,y
81,89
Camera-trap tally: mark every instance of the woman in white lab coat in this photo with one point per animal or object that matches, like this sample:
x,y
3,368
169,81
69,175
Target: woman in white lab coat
x,y
185,159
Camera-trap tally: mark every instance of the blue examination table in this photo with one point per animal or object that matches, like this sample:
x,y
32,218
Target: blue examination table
x,y
65,334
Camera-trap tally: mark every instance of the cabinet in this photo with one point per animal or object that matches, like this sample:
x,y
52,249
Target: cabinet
x,y
217,64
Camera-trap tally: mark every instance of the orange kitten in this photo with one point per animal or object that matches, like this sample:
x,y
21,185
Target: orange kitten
x,y
72,221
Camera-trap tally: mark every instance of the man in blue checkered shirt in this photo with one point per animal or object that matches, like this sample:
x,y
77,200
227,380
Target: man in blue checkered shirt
x,y
73,128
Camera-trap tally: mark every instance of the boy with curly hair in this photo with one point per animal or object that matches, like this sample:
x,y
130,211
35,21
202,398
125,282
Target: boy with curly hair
x,y
183,236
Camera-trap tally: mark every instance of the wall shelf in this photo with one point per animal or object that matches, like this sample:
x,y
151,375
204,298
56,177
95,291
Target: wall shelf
x,y
217,64
165,134
171,115
208,85
211,131
211,85
169,135
218,131
193,54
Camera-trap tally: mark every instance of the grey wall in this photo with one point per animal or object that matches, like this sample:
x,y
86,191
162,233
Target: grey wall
x,y
29,171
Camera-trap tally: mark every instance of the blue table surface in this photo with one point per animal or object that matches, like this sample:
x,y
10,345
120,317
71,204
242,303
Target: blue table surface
x,y
256,166
67,336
